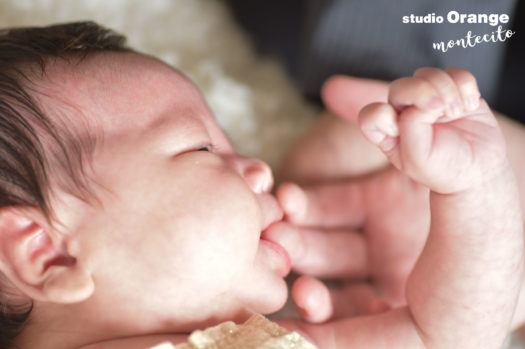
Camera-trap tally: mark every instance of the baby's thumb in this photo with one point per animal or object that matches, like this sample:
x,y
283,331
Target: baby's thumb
x,y
378,122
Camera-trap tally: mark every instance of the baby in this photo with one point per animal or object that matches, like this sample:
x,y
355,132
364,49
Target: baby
x,y
128,219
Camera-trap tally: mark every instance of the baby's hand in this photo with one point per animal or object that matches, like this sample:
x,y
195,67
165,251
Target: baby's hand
x,y
436,129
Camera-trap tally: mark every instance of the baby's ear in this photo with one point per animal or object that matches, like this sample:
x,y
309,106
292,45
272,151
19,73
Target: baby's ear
x,y
34,257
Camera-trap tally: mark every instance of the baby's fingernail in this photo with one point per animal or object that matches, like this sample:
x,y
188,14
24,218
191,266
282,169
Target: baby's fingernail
x,y
455,108
392,130
375,136
435,103
472,103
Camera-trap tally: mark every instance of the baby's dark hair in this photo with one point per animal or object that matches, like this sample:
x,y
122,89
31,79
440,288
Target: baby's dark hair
x,y
24,163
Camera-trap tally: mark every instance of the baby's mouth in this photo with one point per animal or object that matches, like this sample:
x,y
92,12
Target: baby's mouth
x,y
270,209
273,214
284,264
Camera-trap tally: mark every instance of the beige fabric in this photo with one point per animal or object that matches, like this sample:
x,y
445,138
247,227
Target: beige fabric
x,y
256,333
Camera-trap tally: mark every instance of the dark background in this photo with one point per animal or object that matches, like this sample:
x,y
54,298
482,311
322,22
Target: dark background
x,y
281,28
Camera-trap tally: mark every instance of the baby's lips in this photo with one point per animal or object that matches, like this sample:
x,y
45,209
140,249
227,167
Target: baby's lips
x,y
287,236
271,210
279,258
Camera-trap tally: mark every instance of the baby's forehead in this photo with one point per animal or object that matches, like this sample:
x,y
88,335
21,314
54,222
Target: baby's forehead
x,y
116,91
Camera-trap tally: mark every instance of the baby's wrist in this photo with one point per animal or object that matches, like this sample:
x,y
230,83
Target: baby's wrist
x,y
481,179
494,195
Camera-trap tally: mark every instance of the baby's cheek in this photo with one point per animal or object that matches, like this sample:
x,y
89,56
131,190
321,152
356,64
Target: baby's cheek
x,y
228,224
235,202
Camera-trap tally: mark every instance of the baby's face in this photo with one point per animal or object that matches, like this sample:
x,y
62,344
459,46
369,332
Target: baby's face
x,y
176,237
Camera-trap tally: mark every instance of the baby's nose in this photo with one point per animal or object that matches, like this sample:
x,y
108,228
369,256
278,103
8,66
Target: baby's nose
x,y
255,172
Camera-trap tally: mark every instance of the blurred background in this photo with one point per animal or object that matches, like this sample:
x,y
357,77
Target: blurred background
x,y
318,38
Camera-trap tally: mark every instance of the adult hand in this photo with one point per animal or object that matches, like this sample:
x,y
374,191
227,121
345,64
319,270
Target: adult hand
x,y
368,229
334,147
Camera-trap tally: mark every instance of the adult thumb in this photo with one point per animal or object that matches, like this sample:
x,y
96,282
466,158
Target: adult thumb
x,y
345,96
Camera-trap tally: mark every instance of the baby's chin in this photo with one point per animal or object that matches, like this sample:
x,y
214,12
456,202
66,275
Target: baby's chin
x,y
267,300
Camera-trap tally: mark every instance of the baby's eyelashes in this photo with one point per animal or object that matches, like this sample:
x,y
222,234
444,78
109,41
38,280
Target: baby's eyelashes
x,y
209,147
205,148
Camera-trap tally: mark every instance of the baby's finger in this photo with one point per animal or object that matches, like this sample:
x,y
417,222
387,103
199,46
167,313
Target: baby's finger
x,y
407,92
416,145
330,204
378,122
467,86
334,254
317,303
346,95
446,87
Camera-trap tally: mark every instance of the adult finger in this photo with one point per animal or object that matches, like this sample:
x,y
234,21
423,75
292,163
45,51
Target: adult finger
x,y
317,303
332,148
346,95
393,328
330,254
312,299
336,203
